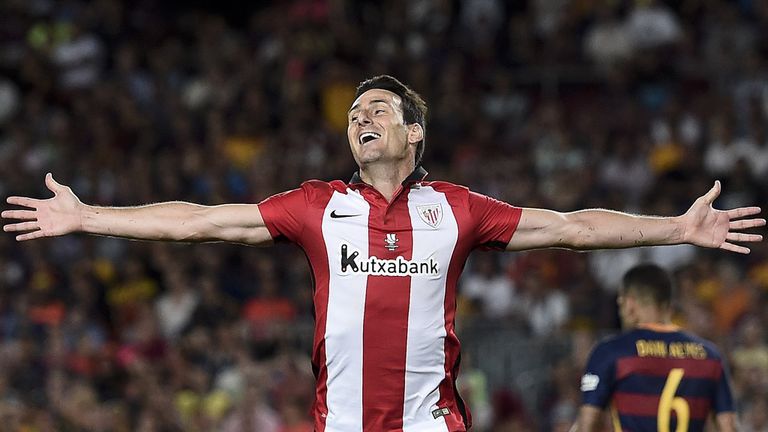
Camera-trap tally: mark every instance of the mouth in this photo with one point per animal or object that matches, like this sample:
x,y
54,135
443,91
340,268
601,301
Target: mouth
x,y
367,137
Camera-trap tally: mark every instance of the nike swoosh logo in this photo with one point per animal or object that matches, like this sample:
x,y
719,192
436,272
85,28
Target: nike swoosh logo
x,y
339,216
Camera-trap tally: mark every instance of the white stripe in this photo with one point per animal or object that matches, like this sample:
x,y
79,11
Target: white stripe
x,y
346,307
425,355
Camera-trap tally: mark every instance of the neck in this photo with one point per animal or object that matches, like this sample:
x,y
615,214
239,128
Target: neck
x,y
652,315
386,178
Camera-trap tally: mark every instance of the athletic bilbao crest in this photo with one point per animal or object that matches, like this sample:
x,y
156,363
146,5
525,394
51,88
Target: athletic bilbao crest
x,y
431,214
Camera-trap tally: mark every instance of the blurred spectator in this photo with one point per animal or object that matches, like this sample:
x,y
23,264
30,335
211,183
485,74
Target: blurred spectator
x,y
9,100
729,36
175,307
509,413
78,59
608,266
756,416
652,24
626,171
252,414
723,150
750,358
473,386
546,307
490,289
607,42
758,158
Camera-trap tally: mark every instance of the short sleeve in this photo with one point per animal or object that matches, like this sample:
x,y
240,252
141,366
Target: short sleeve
x,y
598,380
282,214
723,398
495,221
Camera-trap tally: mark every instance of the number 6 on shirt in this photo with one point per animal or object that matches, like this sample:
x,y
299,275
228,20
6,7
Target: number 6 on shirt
x,y
669,403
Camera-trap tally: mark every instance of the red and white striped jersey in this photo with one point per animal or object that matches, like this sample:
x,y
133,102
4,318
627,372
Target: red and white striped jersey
x,y
385,353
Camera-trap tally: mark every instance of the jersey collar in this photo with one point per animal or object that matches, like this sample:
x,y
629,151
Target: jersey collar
x,y
416,176
662,328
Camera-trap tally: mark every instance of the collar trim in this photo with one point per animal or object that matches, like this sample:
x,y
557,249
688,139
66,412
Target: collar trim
x,y
419,174
664,328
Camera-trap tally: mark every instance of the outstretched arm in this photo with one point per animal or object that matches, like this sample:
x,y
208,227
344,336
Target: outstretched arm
x,y
589,419
169,221
726,422
701,225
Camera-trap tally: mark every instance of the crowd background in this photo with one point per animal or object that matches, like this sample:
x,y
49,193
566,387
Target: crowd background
x,y
630,105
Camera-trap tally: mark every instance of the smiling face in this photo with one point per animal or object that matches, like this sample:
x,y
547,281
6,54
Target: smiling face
x,y
377,131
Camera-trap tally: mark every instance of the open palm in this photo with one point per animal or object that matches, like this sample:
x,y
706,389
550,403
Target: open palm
x,y
708,227
50,217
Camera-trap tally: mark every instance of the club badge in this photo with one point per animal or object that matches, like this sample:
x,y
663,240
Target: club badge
x,y
431,214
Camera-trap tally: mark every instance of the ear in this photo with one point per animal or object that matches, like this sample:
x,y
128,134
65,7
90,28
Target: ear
x,y
415,133
629,301
630,308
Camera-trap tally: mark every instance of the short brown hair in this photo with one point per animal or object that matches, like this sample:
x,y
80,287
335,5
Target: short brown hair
x,y
649,281
414,107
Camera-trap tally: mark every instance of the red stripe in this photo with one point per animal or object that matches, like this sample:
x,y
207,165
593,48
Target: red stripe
x,y
655,366
648,405
318,259
448,395
385,324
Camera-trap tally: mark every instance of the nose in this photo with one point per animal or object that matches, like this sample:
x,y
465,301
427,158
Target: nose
x,y
363,119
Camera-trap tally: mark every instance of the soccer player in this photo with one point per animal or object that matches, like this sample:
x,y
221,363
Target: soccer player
x,y
654,376
386,250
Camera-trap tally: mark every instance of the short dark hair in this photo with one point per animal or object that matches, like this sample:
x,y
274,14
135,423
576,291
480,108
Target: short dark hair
x,y
649,281
414,107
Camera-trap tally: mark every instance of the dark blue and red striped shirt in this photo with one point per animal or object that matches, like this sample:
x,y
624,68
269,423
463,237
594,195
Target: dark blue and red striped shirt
x,y
655,377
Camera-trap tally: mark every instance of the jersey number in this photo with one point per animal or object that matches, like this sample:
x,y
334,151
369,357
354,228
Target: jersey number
x,y
669,403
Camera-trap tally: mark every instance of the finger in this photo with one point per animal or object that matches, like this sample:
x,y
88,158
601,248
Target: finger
x,y
30,236
21,226
745,223
713,193
51,184
741,237
19,214
743,211
734,248
23,201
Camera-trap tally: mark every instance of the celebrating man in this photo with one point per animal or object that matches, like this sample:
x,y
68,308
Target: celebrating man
x,y
386,250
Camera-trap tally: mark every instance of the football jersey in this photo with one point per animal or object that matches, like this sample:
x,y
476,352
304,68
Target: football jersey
x,y
657,378
385,353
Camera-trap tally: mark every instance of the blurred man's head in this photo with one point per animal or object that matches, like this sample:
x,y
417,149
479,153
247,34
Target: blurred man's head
x,y
386,122
645,296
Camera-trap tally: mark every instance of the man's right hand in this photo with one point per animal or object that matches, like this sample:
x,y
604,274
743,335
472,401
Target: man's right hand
x,y
50,217
165,221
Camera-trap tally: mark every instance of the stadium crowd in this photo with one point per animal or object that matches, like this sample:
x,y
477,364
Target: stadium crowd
x,y
636,106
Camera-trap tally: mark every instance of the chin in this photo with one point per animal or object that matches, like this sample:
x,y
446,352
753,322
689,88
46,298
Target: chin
x,y
369,158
